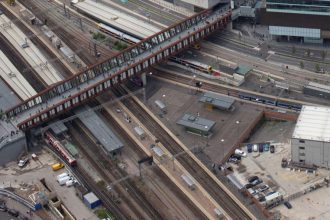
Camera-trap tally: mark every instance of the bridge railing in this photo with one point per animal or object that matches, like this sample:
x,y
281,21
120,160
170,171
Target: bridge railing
x,y
110,65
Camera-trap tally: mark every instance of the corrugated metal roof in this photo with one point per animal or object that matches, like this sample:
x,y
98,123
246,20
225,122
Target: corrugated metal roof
x,y
217,100
100,130
317,86
195,122
313,124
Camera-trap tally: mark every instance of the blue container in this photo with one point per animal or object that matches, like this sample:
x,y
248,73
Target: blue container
x,y
91,201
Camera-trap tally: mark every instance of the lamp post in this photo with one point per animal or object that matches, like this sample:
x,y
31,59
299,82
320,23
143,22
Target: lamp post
x,y
237,122
222,149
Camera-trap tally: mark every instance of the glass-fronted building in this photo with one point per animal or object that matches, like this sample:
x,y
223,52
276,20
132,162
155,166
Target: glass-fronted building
x,y
304,19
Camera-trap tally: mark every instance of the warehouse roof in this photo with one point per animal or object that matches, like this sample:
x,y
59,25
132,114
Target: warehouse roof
x,y
100,130
195,122
219,101
313,124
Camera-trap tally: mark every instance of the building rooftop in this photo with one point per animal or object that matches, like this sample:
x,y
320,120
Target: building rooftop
x,y
58,128
220,101
99,129
195,122
243,70
313,124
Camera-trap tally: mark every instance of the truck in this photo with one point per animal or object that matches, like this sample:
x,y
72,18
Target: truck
x,y
57,166
63,180
62,175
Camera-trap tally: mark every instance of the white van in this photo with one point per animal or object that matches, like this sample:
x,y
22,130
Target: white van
x,y
240,153
255,147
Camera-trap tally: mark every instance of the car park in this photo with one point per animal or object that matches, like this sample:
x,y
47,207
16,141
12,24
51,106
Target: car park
x,y
288,204
13,212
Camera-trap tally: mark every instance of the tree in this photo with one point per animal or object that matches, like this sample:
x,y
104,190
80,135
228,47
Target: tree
x,y
293,49
323,54
317,68
302,66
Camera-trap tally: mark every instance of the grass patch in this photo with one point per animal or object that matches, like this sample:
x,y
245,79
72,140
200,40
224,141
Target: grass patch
x,y
102,213
120,46
98,36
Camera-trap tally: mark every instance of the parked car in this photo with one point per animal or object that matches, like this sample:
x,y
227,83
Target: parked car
x,y
252,178
255,147
266,147
23,162
261,148
272,149
233,160
240,153
248,186
238,157
13,212
284,162
288,204
249,148
263,188
268,194
3,207
256,182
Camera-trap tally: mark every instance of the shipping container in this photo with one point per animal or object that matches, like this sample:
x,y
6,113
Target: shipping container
x,y
91,200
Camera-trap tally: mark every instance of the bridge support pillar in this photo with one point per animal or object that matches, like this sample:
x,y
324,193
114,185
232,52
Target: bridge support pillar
x,y
144,79
230,26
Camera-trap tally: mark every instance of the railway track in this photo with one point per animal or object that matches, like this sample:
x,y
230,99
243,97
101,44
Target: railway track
x,y
35,40
219,194
141,206
69,33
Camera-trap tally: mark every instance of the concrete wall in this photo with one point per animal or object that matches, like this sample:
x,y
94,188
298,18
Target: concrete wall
x,y
316,152
12,151
199,3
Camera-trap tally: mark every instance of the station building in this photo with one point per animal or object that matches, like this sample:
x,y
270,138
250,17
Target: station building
x,y
196,125
305,20
212,100
310,143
